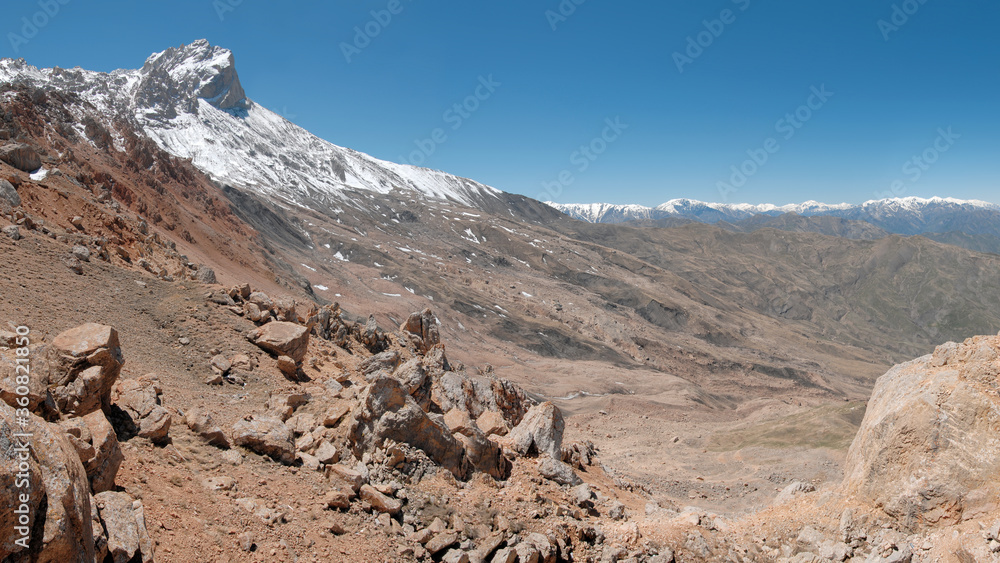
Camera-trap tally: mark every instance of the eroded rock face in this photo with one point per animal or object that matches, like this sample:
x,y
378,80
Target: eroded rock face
x,y
387,412
928,442
540,432
282,339
83,365
56,474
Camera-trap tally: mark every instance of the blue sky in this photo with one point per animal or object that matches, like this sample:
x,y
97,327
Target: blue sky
x,y
707,121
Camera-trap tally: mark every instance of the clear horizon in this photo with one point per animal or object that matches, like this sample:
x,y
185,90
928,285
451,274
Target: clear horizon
x,y
576,101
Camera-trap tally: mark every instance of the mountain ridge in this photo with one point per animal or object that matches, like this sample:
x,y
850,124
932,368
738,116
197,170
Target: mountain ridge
x,y
904,216
190,102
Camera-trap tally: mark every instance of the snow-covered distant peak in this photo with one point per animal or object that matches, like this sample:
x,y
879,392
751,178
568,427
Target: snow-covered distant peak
x,y
908,211
198,70
919,202
189,100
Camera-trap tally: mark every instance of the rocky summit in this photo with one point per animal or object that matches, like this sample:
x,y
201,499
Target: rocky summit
x,y
223,338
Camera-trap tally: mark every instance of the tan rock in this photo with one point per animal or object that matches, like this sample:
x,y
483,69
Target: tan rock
x,y
504,555
267,436
422,329
492,423
928,438
335,414
411,375
326,452
455,556
379,501
242,362
140,399
387,412
339,497
200,422
540,431
557,471
288,367
282,339
441,542
459,421
84,363
120,524
56,474
221,364
97,445
344,474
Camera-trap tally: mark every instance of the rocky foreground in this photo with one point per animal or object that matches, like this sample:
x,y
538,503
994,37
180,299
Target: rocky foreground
x,y
403,449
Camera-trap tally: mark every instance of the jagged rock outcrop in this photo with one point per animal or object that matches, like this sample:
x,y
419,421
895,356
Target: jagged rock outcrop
x,y
371,336
927,450
422,330
540,432
484,454
387,412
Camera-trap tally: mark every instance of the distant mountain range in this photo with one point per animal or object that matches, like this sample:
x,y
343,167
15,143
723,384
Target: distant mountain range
x,y
971,224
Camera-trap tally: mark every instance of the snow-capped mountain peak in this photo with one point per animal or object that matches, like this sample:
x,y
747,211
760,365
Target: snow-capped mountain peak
x,y
188,72
189,100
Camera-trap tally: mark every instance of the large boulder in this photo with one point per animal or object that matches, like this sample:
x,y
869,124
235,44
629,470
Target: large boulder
x,y
265,435
422,330
21,156
8,193
540,432
84,363
122,529
14,383
140,400
97,445
386,412
62,532
927,447
282,339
